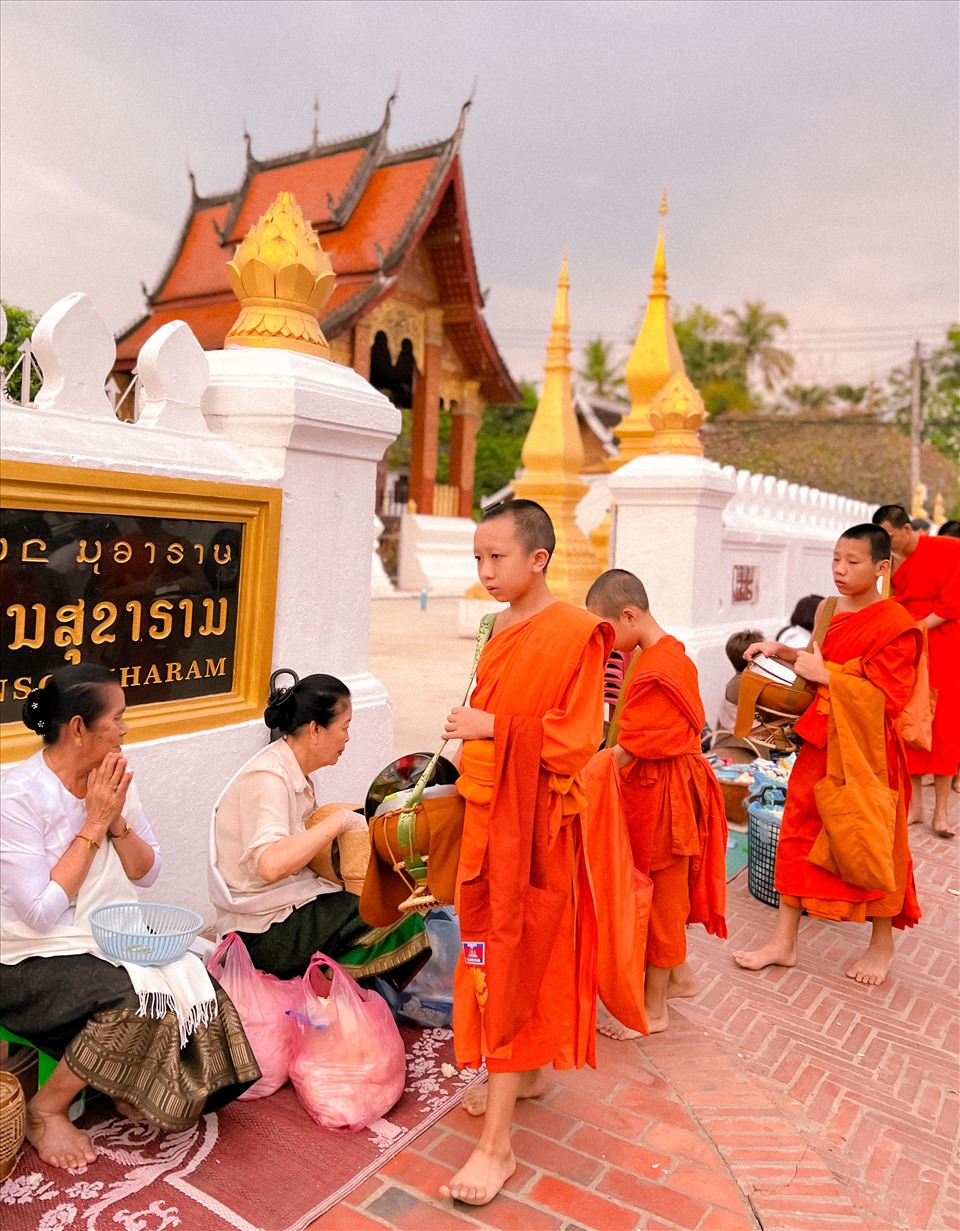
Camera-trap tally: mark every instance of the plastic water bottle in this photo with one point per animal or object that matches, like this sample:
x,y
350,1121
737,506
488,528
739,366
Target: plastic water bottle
x,y
423,599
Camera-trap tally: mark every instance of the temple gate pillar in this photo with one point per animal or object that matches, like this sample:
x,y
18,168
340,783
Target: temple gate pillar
x,y
362,341
426,415
463,445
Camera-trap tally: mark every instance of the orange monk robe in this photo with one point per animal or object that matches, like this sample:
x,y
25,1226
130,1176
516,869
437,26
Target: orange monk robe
x,y
928,582
523,890
881,644
672,801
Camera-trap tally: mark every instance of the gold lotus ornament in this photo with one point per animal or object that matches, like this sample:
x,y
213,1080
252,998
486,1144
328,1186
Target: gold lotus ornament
x,y
676,416
283,279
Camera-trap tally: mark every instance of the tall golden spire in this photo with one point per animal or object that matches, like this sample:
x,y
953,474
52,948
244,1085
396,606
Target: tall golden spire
x,y
283,279
553,457
655,358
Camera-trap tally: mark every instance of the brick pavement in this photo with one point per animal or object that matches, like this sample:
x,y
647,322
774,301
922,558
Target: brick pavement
x,y
781,1100
866,1077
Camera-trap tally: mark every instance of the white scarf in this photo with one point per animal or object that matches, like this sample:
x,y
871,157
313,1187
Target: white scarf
x,y
182,987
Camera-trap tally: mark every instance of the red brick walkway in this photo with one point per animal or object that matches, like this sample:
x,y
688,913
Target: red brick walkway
x,y
781,1100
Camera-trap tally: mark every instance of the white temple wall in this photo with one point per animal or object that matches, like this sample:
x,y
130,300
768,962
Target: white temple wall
x,y
436,554
721,550
270,418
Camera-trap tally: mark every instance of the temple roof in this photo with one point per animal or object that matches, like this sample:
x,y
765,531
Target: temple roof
x,y
372,207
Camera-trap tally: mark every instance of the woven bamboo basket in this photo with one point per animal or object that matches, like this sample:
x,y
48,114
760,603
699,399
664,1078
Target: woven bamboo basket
x,y
13,1110
735,800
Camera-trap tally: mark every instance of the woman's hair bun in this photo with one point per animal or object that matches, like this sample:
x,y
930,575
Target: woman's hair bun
x,y
38,708
280,701
76,691
315,698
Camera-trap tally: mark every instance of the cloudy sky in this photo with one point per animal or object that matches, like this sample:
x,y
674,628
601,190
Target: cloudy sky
x,y
810,148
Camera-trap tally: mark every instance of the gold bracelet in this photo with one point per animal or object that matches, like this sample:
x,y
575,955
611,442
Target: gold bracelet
x,y
115,837
94,846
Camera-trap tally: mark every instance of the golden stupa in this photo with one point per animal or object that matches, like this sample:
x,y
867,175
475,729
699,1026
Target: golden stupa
x,y
283,279
552,455
654,360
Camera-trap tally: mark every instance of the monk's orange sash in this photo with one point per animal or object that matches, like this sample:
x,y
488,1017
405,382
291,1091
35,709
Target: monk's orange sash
x,y
855,802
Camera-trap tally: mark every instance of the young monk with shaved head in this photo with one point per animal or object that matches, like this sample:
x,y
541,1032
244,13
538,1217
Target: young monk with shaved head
x,y
526,983
672,802
843,851
926,582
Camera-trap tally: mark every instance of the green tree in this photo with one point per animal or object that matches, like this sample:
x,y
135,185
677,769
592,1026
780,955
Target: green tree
x,y
853,395
813,399
20,325
602,376
499,442
753,333
939,396
712,361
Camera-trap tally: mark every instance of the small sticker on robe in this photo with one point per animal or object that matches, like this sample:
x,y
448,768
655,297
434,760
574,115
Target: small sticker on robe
x,y
473,952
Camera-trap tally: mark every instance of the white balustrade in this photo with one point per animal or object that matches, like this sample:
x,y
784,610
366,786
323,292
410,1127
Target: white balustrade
x,y
762,501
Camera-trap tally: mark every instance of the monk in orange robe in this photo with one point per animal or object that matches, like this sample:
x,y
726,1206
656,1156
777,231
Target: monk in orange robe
x,y
843,852
672,801
926,582
526,982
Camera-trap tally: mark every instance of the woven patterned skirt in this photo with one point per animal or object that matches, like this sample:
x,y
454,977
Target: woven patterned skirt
x,y
85,1010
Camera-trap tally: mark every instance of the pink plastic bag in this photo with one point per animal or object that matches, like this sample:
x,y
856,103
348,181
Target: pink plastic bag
x,y
350,1065
261,1001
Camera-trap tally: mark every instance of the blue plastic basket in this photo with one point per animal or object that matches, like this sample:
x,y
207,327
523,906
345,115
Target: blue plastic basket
x,y
764,814
145,933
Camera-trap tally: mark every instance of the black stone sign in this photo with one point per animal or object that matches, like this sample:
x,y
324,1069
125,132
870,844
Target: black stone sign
x,y
155,598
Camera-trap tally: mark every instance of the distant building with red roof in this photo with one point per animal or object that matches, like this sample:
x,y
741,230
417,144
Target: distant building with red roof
x,y
407,311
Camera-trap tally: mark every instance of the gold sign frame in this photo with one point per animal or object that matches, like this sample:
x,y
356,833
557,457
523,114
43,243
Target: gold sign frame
x,y
32,485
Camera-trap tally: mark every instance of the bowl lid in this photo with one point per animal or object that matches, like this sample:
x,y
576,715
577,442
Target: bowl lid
x,y
403,774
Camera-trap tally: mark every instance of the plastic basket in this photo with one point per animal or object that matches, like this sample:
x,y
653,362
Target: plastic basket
x,y
763,836
145,933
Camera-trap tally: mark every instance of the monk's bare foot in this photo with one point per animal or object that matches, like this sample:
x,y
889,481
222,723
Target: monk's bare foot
x,y
682,983
657,1023
533,1084
129,1112
481,1177
774,953
941,826
609,1026
872,966
56,1140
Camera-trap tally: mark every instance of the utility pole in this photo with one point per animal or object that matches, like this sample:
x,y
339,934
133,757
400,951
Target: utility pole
x,y
915,421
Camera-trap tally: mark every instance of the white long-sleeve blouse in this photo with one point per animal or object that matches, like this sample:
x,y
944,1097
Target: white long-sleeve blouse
x,y
39,818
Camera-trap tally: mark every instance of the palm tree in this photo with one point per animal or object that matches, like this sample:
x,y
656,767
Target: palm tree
x,y
602,376
753,332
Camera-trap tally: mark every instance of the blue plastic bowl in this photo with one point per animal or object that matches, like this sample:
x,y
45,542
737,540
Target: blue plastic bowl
x,y
145,933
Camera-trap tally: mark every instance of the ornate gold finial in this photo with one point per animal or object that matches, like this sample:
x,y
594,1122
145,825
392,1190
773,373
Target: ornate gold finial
x,y
316,121
919,500
663,202
553,456
282,278
676,415
939,512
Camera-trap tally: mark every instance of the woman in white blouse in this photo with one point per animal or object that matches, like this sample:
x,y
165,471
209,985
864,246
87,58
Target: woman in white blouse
x,y
260,849
73,835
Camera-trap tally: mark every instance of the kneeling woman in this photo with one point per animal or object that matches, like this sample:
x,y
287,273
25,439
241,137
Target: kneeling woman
x,y
260,849
164,1042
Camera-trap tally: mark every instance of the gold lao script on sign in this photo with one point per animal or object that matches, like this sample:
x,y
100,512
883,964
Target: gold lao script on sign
x,y
161,580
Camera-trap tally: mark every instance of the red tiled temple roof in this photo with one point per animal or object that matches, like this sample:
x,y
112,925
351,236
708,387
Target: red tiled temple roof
x,y
315,183
372,208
